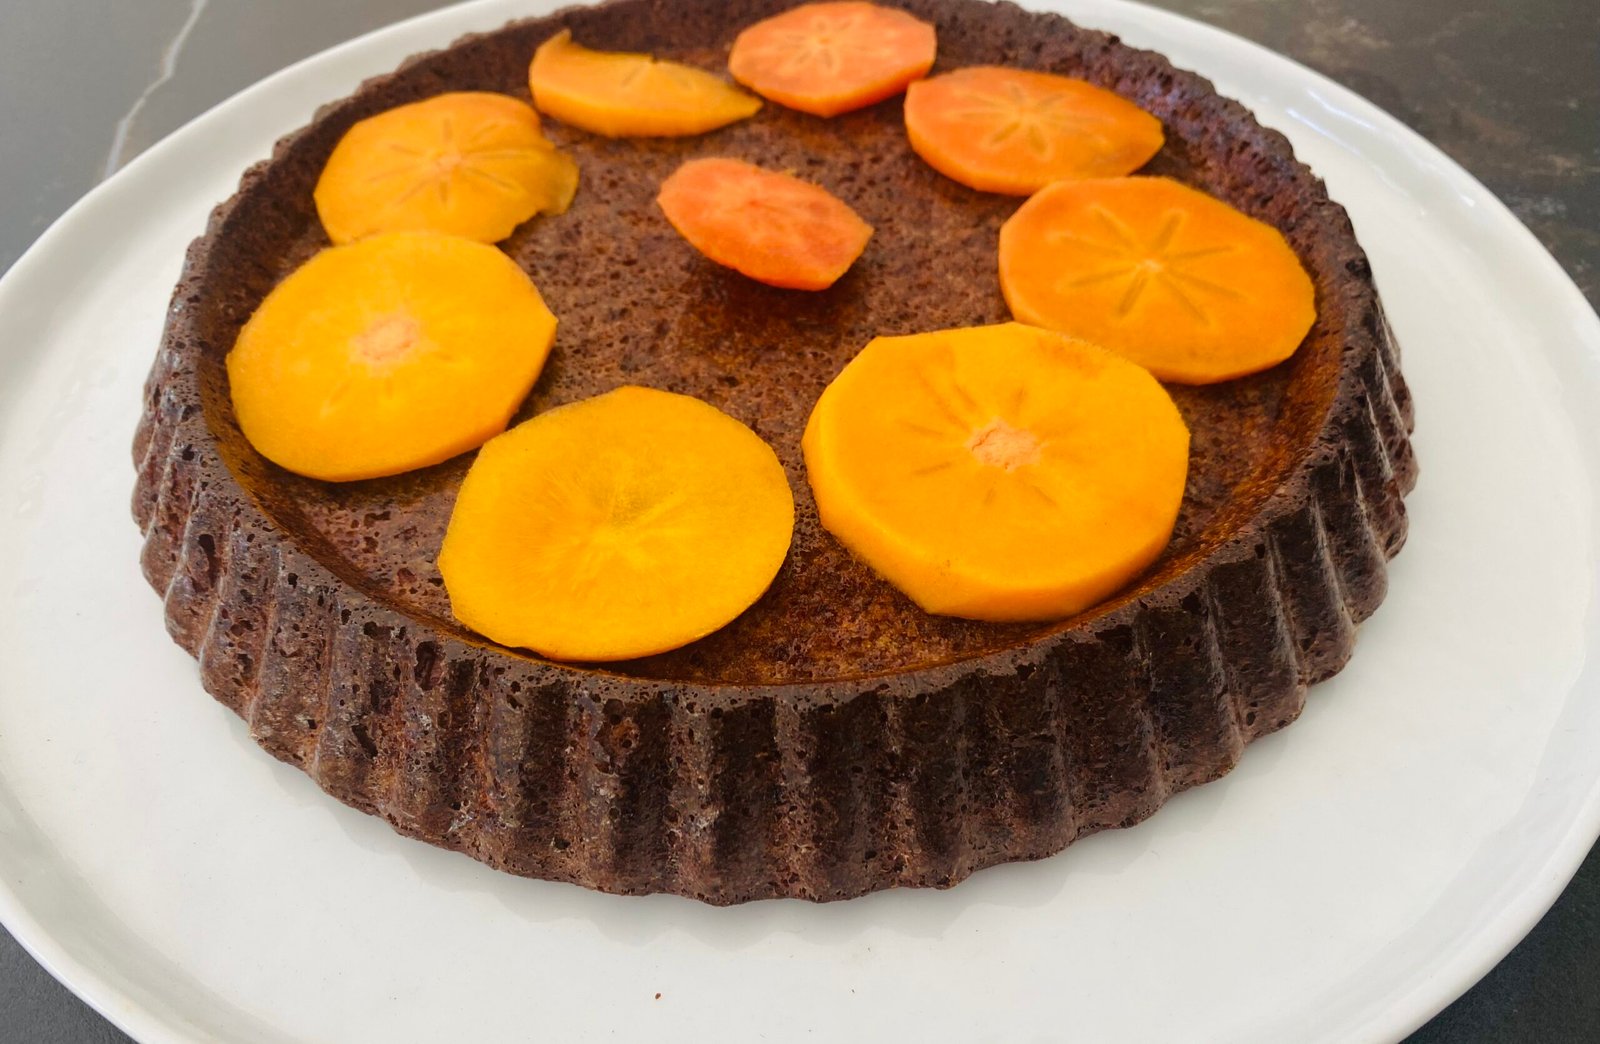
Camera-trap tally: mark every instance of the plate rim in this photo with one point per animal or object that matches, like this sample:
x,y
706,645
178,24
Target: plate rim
x,y
1473,955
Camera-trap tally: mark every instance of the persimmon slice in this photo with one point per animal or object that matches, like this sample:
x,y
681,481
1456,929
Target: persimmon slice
x,y
469,164
998,472
392,353
770,226
616,527
1179,282
1014,131
829,58
625,95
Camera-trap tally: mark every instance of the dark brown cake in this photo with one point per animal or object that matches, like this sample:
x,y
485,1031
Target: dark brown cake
x,y
834,739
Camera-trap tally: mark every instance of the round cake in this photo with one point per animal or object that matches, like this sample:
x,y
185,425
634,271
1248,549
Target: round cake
x,y
834,739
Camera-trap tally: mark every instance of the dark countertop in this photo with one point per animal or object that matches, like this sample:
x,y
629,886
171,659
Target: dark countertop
x,y
1509,88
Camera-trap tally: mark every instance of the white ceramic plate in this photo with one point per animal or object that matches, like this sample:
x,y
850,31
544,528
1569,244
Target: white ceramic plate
x,y
1355,873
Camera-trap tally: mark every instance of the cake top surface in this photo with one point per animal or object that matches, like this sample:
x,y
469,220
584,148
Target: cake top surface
x,y
637,305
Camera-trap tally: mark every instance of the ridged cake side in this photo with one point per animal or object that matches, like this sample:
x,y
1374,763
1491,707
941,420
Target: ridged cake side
x,y
818,791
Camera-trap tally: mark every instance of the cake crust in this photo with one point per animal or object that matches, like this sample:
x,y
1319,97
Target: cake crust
x,y
833,740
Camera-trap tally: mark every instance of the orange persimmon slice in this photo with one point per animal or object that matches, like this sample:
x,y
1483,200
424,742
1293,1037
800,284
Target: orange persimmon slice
x,y
624,95
469,163
829,58
1014,131
770,226
619,526
998,472
388,354
1179,282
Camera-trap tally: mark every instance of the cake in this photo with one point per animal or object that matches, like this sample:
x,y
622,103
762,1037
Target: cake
x,y
834,739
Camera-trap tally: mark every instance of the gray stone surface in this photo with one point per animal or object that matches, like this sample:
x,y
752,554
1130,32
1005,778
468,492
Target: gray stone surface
x,y
1510,88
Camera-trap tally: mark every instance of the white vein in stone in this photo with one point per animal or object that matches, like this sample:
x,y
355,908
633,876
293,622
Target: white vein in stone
x,y
169,64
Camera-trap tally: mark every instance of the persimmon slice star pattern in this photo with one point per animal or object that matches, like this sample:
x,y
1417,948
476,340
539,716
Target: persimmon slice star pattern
x,y
1177,281
468,163
831,58
1013,131
998,472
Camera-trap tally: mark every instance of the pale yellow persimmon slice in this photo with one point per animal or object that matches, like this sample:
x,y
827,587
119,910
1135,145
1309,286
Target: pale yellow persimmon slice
x,y
998,472
392,353
1014,131
620,526
833,57
469,163
626,95
1179,282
